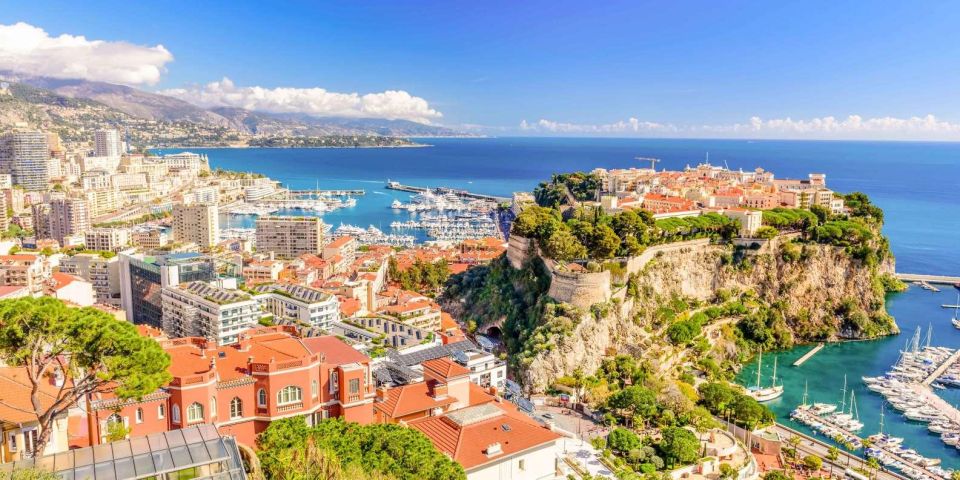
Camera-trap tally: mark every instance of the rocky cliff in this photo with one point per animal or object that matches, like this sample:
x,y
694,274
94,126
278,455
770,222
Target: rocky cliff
x,y
820,292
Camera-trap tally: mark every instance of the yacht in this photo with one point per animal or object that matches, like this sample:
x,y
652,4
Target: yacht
x,y
765,394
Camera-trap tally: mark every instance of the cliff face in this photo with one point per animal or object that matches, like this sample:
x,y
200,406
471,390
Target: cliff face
x,y
816,289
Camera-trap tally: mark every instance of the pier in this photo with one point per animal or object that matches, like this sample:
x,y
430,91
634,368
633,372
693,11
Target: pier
x,y
916,277
807,356
328,193
815,446
443,191
939,371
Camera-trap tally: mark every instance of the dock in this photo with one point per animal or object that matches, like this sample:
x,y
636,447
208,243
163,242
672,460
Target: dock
x,y
329,193
807,356
940,279
939,371
445,190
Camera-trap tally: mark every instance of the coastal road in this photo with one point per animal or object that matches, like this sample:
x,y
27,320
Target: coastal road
x,y
812,446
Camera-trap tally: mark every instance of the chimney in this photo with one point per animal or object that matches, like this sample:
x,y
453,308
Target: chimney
x,y
493,450
382,393
438,390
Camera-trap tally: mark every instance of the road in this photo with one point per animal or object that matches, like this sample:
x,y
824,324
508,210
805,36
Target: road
x,y
812,446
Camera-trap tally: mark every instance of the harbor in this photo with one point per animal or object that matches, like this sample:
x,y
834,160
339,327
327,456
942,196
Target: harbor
x,y
824,373
808,355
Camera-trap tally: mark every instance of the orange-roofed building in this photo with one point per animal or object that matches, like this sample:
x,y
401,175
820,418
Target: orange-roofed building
x,y
656,203
349,306
446,386
494,440
18,427
22,270
70,288
269,374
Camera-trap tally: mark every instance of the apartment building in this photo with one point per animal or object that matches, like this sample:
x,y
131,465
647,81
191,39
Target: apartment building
x,y
197,223
303,305
68,216
24,155
289,237
149,237
22,270
107,143
486,370
200,309
106,239
142,278
102,273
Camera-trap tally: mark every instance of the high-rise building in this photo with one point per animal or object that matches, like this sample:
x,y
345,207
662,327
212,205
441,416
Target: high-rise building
x,y
107,143
68,216
102,273
142,279
41,220
106,239
289,237
198,223
199,309
23,155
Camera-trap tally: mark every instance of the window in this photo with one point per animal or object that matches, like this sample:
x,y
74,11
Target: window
x,y
354,385
289,394
314,391
213,407
13,441
262,398
175,413
161,411
195,412
236,408
334,382
521,464
139,415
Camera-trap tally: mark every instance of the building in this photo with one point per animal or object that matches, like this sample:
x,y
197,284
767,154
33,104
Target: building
x,y
95,179
256,272
186,161
71,289
268,374
342,248
494,441
750,220
23,155
102,273
109,165
150,237
445,387
204,195
196,452
107,143
201,309
303,305
197,224
19,428
143,277
22,270
486,370
68,216
106,239
289,237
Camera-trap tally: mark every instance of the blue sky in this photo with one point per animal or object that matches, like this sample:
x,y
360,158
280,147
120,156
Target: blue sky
x,y
677,68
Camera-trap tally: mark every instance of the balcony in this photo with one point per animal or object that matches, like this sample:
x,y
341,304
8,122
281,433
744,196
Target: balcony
x,y
290,407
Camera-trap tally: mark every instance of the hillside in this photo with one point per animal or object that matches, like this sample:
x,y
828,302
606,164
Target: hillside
x,y
145,105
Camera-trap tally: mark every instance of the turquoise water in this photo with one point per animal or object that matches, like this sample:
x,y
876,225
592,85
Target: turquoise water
x,y
916,184
824,372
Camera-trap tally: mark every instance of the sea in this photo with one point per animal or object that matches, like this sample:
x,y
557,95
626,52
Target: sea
x,y
916,183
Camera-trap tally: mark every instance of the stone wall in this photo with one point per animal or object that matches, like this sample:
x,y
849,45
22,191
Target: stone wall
x,y
580,289
518,251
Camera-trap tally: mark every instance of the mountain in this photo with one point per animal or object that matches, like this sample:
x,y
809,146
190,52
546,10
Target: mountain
x,y
153,106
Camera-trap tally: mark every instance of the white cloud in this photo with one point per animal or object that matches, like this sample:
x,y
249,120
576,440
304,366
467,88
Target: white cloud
x,y
853,127
391,104
27,49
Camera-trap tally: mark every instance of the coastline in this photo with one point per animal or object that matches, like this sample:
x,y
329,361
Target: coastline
x,y
238,147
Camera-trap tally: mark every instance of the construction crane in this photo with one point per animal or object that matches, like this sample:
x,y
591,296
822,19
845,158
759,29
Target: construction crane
x,y
653,161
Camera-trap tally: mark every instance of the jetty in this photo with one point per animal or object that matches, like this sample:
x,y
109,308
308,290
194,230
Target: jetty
x,y
328,193
391,185
940,279
939,371
807,356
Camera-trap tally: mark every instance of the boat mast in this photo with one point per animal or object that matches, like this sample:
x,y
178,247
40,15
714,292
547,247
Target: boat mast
x,y
759,367
773,378
843,400
853,406
881,419
804,402
929,334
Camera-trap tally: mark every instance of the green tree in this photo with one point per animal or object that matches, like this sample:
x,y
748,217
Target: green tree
x,y
716,396
776,475
378,450
727,472
91,350
834,453
28,474
766,232
679,446
813,463
605,242
622,440
635,399
563,246
116,431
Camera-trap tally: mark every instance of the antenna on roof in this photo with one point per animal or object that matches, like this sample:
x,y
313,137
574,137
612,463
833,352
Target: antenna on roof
x,y
725,165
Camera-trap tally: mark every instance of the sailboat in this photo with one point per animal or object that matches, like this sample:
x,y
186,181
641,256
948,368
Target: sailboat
x,y
765,394
883,440
956,312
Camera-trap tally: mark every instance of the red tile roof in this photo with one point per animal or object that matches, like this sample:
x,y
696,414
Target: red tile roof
x,y
16,404
409,399
467,434
445,368
340,242
334,350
